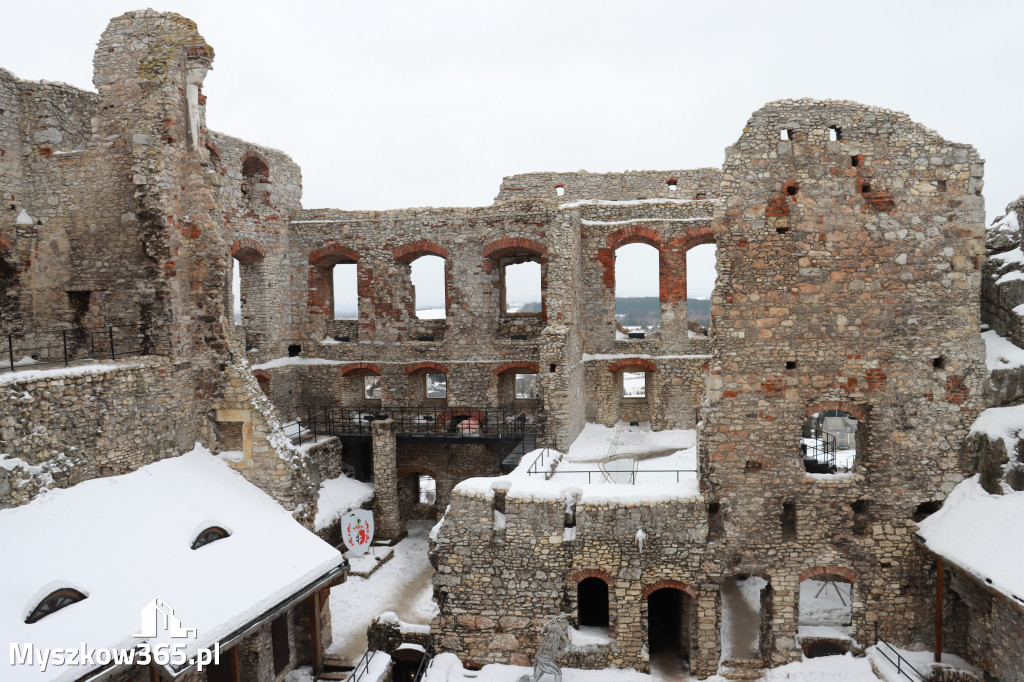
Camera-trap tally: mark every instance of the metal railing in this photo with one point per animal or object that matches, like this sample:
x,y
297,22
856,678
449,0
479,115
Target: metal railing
x,y
428,655
544,459
902,665
362,666
47,347
445,423
545,444
820,446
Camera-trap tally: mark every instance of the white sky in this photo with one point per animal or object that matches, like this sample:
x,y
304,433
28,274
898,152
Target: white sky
x,y
388,105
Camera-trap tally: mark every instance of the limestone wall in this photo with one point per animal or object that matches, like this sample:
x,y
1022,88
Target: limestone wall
x,y
581,185
848,278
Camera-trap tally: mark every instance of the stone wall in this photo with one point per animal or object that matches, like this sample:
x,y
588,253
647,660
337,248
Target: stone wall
x,y
848,278
498,588
92,421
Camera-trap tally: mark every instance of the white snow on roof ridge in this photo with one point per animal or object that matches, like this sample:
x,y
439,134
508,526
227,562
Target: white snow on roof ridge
x,y
126,540
632,202
981,533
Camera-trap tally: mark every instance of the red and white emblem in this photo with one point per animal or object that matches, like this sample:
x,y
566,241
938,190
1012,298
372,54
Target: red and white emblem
x,y
357,530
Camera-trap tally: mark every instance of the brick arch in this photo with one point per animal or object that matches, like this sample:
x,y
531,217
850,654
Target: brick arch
x,y
254,163
517,364
580,576
360,368
332,254
510,246
847,574
407,253
858,411
697,235
261,375
415,469
671,584
247,250
426,365
634,234
631,363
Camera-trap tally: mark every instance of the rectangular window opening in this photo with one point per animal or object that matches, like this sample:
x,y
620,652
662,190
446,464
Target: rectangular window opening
x,y
835,133
236,291
788,521
855,160
521,287
344,291
634,384
790,364
526,387
372,388
436,386
279,643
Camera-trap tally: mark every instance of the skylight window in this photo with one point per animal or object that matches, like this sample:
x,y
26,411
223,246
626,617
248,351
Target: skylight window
x,y
211,534
54,602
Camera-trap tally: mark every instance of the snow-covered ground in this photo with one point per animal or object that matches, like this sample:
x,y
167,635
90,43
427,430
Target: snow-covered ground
x,y
339,495
430,313
402,585
1001,353
448,668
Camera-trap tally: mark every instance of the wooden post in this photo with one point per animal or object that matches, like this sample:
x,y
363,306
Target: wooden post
x,y
939,580
317,644
235,668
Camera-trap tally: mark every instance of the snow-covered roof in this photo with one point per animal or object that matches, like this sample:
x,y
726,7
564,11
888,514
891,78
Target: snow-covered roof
x,y
126,540
982,534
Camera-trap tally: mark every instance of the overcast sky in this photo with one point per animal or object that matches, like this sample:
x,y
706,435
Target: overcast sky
x,y
396,104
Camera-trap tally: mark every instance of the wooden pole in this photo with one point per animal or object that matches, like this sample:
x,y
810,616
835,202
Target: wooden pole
x,y
317,642
939,580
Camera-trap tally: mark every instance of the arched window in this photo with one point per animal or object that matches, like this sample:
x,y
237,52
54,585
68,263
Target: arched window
x,y
592,602
344,291
53,602
211,534
521,285
428,281
637,289
255,178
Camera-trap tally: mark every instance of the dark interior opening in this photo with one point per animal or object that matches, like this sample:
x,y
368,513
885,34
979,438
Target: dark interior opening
x,y
294,350
788,521
667,620
223,671
926,509
592,601
939,363
279,643
360,457
819,649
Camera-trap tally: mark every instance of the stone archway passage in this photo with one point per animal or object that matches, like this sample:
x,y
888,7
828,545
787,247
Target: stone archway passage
x,y
668,629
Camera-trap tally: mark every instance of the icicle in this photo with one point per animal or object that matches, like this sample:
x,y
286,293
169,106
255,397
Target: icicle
x,y
641,538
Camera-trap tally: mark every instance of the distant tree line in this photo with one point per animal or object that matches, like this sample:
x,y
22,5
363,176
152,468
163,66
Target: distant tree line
x,y
645,311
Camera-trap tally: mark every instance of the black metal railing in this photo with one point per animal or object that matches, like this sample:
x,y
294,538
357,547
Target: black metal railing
x,y
428,654
542,466
362,666
819,446
445,423
902,665
47,347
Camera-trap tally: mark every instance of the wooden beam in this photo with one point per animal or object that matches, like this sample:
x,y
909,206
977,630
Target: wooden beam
x,y
317,643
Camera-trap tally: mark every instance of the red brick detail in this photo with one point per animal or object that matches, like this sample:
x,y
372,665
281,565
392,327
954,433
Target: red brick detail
x,y
956,390
606,257
778,207
838,571
255,164
332,254
633,234
632,363
876,379
880,200
672,180
261,375
517,364
214,149
360,368
773,385
670,584
460,413
5,243
510,246
248,250
426,366
415,469
407,253
580,576
858,411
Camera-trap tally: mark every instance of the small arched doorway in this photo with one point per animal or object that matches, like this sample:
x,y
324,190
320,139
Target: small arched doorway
x,y
592,603
669,616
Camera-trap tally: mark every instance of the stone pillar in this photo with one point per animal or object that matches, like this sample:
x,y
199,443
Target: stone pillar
x,y
704,656
387,520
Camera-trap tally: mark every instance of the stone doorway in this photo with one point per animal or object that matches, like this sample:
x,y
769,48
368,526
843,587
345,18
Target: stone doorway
x,y
668,629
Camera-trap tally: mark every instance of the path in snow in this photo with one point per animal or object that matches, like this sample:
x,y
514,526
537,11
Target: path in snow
x,y
740,618
401,585
669,666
